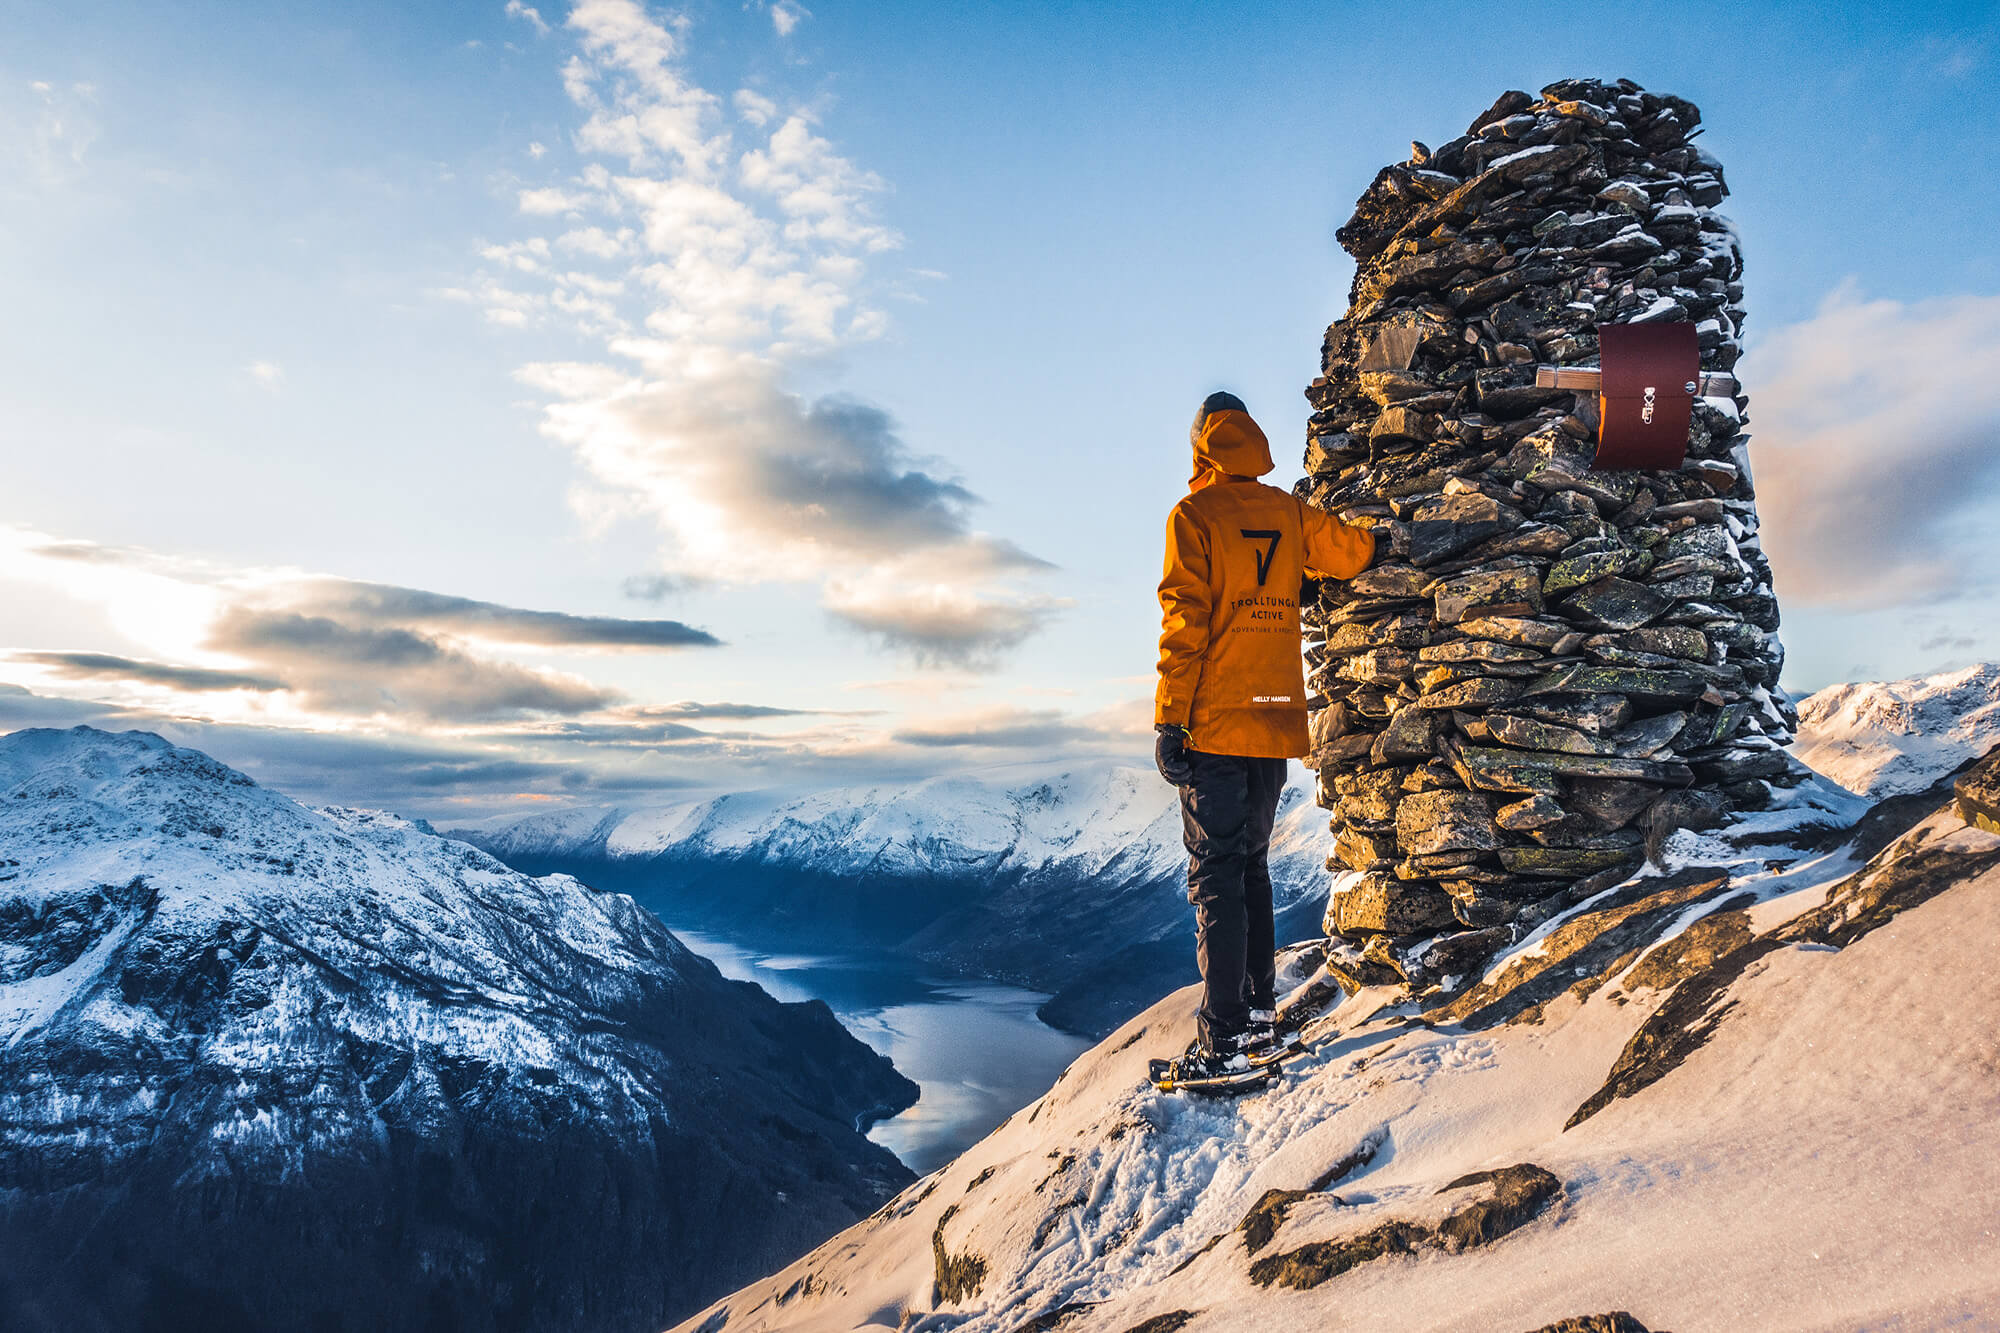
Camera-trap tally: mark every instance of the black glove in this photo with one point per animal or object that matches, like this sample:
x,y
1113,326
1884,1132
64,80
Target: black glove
x,y
1170,752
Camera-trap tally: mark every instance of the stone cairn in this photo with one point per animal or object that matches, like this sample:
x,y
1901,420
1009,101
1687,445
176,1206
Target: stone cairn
x,y
1548,668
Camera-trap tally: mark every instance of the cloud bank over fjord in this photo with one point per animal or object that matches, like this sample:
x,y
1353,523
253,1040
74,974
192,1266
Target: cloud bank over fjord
x,y
709,248
468,773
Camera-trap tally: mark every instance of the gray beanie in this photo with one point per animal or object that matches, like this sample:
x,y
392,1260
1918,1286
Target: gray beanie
x,y
1215,402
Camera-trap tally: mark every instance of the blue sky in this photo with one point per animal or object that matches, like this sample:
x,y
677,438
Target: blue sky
x,y
860,339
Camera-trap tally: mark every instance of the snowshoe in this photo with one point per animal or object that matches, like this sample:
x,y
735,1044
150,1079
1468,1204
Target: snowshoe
x,y
1261,1035
1276,1053
1207,1071
1268,1040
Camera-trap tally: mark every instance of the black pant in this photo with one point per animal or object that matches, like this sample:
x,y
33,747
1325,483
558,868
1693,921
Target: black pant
x,y
1226,817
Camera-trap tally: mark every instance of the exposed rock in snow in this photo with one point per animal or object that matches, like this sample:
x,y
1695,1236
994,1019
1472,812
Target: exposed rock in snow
x,y
271,1067
1772,1070
1066,880
1889,738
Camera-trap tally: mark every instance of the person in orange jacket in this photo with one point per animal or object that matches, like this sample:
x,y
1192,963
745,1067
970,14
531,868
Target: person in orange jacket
x,y
1230,709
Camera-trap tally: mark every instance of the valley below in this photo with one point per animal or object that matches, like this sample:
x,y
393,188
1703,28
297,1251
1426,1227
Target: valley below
x,y
976,1049
1071,882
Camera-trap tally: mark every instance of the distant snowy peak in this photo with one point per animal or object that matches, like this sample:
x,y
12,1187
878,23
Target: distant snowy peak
x,y
1083,818
1890,738
575,828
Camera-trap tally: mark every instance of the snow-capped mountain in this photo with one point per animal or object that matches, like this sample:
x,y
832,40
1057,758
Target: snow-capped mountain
x,y
1071,879
1752,1088
272,1067
1888,738
1067,880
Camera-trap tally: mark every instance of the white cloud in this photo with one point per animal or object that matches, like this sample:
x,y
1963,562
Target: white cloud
x,y
938,623
755,108
740,261
50,136
1954,57
524,256
551,199
501,304
532,16
267,373
997,728
593,284
640,107
537,150
820,192
1123,728
1876,436
596,242
785,16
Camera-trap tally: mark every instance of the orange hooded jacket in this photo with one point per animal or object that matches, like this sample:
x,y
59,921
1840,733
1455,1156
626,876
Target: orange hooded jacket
x,y
1230,669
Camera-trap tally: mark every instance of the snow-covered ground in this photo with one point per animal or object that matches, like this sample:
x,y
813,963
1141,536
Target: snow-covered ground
x,y
1791,1091
1886,738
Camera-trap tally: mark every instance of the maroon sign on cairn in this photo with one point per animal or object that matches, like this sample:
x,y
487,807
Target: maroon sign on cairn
x,y
1651,373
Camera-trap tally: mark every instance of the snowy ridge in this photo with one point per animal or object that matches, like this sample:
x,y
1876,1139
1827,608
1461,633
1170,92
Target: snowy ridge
x,y
204,845
1080,819
1805,1126
382,1061
1069,880
1891,738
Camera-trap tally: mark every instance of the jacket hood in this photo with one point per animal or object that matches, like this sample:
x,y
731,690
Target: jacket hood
x,y
1229,444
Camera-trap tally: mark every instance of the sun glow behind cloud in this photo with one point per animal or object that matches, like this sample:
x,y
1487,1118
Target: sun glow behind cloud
x,y
289,648
365,691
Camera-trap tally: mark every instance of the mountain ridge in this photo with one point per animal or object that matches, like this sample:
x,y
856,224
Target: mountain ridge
x,y
420,1086
1894,738
1069,879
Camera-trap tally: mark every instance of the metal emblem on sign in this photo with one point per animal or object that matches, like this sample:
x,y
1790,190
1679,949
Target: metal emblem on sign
x,y
1646,414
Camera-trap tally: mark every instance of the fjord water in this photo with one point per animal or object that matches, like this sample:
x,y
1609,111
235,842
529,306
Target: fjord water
x,y
975,1047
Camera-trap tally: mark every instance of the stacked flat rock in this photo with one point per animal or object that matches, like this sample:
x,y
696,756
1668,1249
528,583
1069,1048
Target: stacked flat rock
x,y
1547,664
